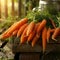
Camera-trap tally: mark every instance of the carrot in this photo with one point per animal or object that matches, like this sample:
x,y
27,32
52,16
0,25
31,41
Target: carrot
x,y
52,30
23,36
35,39
15,26
18,25
32,34
38,24
5,36
52,22
48,34
44,38
30,28
15,32
5,32
30,37
20,31
55,34
41,26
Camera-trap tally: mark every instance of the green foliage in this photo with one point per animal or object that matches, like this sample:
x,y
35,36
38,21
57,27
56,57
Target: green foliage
x,y
52,9
37,16
8,22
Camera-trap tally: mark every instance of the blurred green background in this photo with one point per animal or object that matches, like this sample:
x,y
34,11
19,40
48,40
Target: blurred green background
x,y
13,10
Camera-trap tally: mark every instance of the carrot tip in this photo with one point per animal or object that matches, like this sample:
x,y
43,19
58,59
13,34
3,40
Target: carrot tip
x,y
28,41
1,36
47,40
17,36
21,42
32,45
54,39
43,52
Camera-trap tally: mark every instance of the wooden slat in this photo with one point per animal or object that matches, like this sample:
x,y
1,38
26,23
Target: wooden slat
x,y
29,56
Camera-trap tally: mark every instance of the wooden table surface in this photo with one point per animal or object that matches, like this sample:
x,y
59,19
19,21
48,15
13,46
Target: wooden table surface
x,y
51,46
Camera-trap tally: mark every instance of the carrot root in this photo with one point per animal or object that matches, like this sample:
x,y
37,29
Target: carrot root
x,y
44,39
35,39
55,34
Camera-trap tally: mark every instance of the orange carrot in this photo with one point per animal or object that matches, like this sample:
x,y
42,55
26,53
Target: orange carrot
x,y
18,24
5,32
15,33
48,34
30,28
35,39
30,37
38,24
44,38
32,34
23,36
52,30
55,34
15,26
52,22
41,26
20,31
5,36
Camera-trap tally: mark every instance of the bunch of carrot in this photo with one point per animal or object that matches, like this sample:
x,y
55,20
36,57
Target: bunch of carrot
x,y
31,32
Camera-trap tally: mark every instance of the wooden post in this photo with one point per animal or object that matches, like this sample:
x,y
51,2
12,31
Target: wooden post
x,y
13,10
0,8
23,9
30,5
19,8
6,8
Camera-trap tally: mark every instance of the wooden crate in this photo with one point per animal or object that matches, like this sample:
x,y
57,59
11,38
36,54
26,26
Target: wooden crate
x,y
51,46
27,52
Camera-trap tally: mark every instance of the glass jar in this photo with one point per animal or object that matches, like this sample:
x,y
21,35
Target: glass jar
x,y
53,6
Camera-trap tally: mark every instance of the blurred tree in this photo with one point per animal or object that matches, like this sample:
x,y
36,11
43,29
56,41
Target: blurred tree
x,y
13,10
23,8
0,8
6,8
32,4
19,8
35,3
52,7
